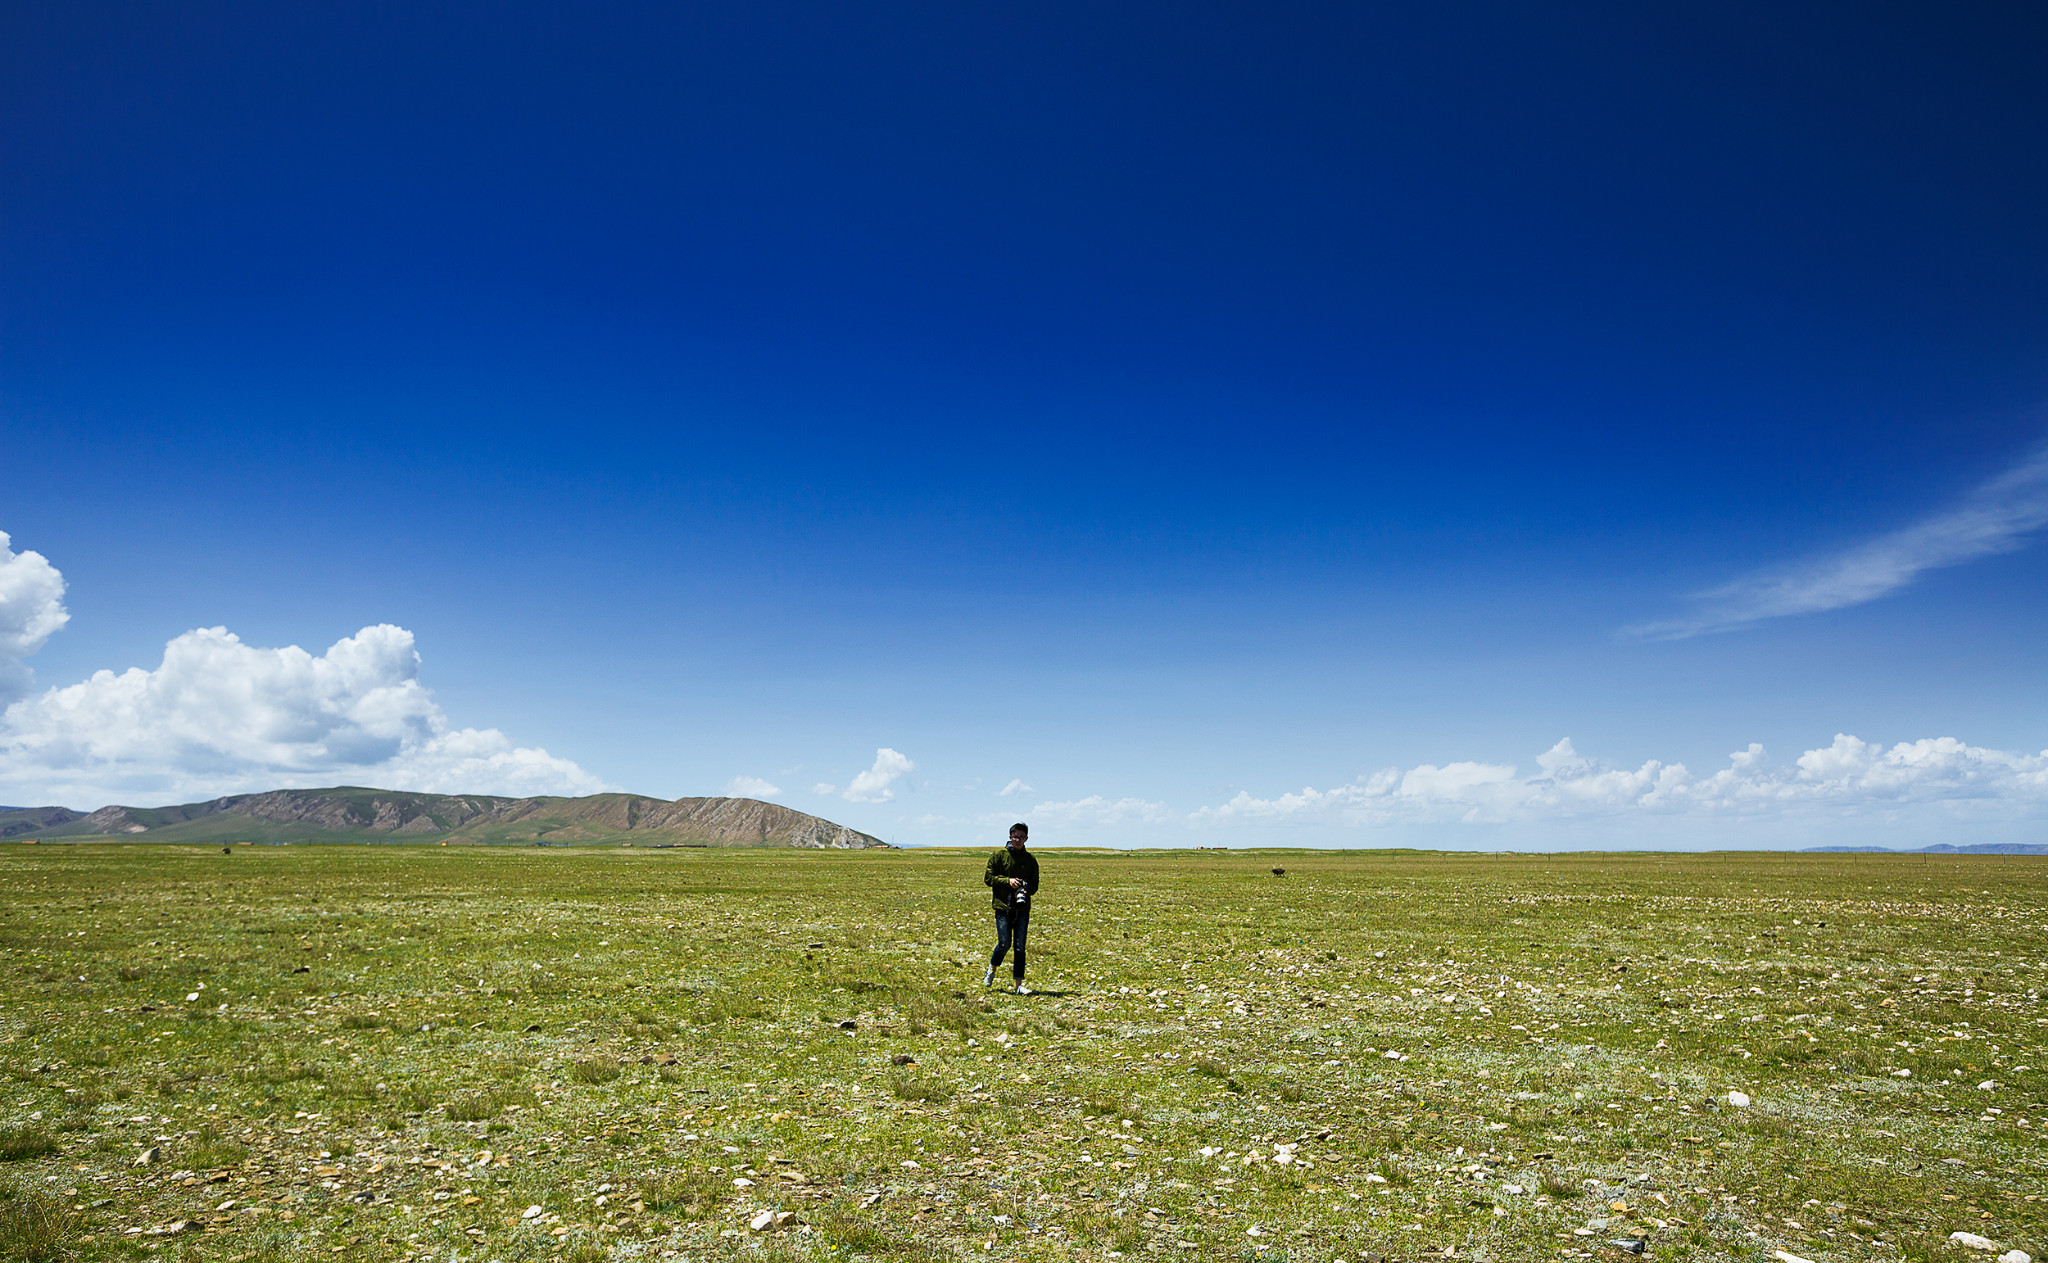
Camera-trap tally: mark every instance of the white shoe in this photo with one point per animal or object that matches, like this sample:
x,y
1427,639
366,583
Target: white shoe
x,y
1021,989
989,979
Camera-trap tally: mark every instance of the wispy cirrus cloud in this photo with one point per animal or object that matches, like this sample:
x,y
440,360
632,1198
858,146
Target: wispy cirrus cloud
x,y
1996,517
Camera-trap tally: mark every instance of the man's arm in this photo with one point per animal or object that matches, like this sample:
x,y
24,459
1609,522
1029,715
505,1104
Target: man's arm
x,y
993,877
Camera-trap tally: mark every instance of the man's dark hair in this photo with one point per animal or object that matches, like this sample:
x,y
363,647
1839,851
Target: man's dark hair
x,y
1021,827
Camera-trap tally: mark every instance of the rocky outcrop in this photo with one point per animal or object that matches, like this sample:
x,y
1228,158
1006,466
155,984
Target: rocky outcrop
x,y
749,821
374,810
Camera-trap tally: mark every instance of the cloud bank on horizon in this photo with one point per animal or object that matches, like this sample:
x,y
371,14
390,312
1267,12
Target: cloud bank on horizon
x,y
1996,517
218,716
1849,774
1849,780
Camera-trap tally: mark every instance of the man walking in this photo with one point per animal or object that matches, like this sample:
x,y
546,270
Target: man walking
x,y
1012,878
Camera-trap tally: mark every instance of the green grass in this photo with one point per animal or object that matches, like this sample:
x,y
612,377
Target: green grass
x,y
419,1044
18,1144
36,1227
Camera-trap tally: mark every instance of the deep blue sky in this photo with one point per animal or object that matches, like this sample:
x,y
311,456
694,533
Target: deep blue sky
x,y
1152,402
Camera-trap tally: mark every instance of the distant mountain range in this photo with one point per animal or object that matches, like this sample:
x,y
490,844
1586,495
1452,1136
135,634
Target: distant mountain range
x,y
1945,848
353,814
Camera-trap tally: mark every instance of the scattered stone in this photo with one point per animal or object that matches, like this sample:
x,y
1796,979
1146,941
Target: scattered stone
x,y
1902,1074
1989,1085
849,1025
743,1182
149,1157
531,1212
902,1059
1634,1245
1740,1100
2015,1256
1973,1241
1786,1257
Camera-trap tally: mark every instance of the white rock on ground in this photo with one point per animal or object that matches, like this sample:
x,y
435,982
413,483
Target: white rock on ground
x,y
1973,1241
1739,1100
2015,1256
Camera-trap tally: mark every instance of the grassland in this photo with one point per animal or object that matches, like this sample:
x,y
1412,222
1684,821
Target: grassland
x,y
302,1053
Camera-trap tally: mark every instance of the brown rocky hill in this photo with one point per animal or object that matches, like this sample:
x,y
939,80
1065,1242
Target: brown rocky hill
x,y
336,814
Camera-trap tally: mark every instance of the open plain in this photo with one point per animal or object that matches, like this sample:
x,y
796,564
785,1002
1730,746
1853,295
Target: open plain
x,y
386,1052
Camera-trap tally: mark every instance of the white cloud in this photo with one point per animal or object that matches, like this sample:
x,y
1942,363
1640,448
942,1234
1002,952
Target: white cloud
x,y
872,786
1097,810
218,716
1015,787
31,611
750,787
1995,518
1846,777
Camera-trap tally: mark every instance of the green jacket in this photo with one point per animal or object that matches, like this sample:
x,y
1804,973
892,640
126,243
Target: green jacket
x,y
1004,865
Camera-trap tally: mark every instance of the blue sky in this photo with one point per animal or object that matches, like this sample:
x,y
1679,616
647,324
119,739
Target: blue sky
x,y
1198,415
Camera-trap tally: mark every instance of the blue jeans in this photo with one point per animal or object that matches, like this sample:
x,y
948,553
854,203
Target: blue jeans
x,y
1012,924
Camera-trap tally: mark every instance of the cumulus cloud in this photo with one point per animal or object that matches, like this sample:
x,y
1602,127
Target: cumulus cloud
x,y
1996,517
872,786
750,787
31,611
1097,810
1848,775
1015,787
218,716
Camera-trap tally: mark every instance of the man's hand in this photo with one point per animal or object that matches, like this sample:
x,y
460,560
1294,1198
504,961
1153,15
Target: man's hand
x,y
1016,882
